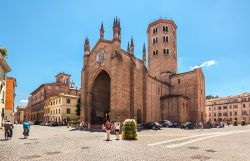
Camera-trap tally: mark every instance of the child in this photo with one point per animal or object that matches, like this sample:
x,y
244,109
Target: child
x,y
117,131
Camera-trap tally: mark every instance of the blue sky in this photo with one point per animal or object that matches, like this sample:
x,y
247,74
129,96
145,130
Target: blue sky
x,y
46,37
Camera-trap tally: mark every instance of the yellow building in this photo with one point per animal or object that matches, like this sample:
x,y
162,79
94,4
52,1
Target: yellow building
x,y
61,108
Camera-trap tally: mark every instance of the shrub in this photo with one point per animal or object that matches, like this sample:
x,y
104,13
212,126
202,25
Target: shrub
x,y
74,122
129,126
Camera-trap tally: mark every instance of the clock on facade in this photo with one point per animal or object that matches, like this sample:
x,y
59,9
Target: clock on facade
x,y
100,56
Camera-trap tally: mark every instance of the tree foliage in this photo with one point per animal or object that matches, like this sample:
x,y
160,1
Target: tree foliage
x,y
211,97
4,52
78,106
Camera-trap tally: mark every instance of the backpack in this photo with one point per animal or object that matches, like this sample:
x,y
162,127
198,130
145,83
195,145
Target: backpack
x,y
108,126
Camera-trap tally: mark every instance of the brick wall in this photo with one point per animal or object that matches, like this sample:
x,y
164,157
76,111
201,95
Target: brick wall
x,y
191,85
174,108
155,89
161,63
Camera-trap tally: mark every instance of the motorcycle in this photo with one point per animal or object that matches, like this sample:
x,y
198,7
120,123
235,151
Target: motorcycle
x,y
26,133
7,135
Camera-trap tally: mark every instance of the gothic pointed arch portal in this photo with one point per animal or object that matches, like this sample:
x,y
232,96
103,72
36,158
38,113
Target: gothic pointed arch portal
x,y
101,98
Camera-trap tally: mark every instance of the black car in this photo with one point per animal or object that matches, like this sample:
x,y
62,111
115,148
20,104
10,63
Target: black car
x,y
48,123
54,123
175,124
207,125
151,125
36,123
167,123
188,125
60,124
43,123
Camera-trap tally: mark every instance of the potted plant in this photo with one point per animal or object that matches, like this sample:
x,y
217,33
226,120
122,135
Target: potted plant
x,y
129,129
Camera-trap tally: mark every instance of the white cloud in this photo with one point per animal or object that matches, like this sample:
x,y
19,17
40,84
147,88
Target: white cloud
x,y
23,101
205,64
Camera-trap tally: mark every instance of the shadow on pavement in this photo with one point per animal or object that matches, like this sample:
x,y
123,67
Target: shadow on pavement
x,y
74,129
89,130
3,140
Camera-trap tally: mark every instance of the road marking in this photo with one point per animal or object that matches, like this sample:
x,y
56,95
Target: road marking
x,y
195,138
183,138
204,138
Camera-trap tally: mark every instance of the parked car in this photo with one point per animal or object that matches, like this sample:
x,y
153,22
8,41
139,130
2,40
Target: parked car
x,y
36,123
43,123
221,124
207,125
175,124
47,123
54,123
152,125
243,123
166,123
188,125
139,127
51,123
214,124
200,125
60,124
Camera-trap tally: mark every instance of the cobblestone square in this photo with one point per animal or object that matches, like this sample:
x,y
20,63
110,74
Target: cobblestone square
x,y
60,143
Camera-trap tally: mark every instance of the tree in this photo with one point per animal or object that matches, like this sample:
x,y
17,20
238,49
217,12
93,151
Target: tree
x,y
211,97
4,52
78,106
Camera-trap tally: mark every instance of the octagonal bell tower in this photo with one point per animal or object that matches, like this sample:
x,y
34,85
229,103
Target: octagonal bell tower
x,y
162,53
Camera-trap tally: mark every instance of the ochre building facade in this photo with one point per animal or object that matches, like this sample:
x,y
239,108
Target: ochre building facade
x,y
116,85
10,99
61,108
45,91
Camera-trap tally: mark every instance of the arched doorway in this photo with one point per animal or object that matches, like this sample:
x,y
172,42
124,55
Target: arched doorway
x,y
100,98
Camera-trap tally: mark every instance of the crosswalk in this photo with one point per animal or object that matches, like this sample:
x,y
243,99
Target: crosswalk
x,y
179,142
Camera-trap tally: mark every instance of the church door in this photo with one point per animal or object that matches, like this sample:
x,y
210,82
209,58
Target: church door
x,y
100,98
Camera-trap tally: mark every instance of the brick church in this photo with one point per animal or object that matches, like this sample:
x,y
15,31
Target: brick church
x,y
116,85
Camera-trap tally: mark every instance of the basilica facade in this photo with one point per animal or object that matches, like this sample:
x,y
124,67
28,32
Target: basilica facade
x,y
116,85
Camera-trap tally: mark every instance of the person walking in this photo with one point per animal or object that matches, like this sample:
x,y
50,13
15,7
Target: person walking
x,y
108,127
117,131
81,125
